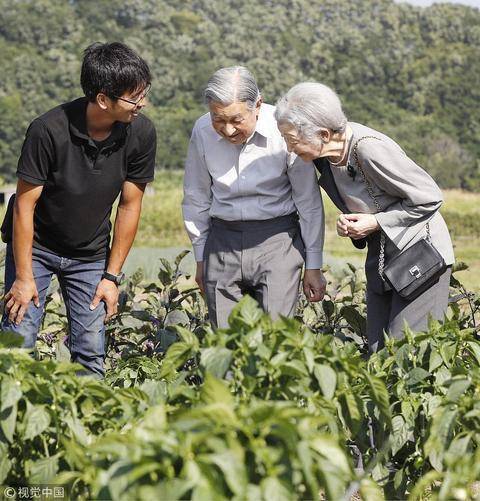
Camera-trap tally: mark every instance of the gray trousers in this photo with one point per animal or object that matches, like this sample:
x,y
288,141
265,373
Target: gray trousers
x,y
260,258
388,312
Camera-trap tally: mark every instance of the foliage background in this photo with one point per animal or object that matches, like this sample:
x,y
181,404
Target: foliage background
x,y
411,72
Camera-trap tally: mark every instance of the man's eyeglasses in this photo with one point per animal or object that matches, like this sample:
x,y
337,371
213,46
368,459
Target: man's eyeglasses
x,y
137,102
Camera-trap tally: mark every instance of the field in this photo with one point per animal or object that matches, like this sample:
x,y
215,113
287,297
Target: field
x,y
161,226
288,410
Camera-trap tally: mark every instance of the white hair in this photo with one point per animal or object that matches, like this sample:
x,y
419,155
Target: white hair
x,y
232,85
309,107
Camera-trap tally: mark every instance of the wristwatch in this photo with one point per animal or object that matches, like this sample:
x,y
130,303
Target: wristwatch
x,y
116,279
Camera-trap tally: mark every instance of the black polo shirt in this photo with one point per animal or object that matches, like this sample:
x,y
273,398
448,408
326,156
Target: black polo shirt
x,y
81,178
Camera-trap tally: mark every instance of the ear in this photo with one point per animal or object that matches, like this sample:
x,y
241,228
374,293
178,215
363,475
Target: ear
x,y
103,101
257,105
325,135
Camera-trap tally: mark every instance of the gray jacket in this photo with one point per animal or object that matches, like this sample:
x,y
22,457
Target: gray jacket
x,y
407,195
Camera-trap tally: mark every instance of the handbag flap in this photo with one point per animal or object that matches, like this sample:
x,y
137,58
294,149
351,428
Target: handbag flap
x,y
413,264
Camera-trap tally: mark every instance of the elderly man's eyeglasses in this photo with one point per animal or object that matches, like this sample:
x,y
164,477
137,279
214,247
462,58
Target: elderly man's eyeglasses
x,y
136,102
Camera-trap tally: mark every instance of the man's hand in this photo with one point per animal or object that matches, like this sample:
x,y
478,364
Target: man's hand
x,y
199,277
314,285
357,225
107,292
18,298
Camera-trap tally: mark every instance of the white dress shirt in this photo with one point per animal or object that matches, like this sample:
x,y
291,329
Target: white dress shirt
x,y
257,180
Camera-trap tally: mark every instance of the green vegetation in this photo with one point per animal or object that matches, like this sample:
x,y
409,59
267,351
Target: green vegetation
x,y
261,410
410,72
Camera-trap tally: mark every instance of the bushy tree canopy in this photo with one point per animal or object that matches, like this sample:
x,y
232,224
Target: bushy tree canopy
x,y
412,72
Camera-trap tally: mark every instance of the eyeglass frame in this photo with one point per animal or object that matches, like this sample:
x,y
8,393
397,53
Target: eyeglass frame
x,y
136,103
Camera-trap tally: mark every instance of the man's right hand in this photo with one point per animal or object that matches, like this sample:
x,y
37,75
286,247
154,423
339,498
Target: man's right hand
x,y
18,299
199,277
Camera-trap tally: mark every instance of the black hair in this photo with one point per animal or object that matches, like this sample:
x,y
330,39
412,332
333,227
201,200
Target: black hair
x,y
113,69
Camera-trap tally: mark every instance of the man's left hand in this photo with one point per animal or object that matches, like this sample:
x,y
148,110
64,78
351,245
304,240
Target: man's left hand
x,y
314,285
107,292
361,225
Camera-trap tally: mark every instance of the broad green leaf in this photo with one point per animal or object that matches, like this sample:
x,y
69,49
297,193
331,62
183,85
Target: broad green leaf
x,y
309,358
353,414
440,434
216,360
400,433
416,375
274,489
327,380
37,420
370,490
187,337
77,429
173,489
457,388
436,360
5,466
10,339
355,320
10,393
448,351
474,348
8,420
215,391
379,395
333,465
246,313
181,256
43,471
233,469
294,368
306,460
328,308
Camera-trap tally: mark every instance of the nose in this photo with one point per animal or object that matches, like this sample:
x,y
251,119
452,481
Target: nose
x,y
229,130
143,102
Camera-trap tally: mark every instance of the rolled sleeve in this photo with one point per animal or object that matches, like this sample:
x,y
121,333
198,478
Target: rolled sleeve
x,y
308,202
197,196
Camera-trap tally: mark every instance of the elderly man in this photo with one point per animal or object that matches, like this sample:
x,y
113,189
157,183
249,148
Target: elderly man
x,y
253,211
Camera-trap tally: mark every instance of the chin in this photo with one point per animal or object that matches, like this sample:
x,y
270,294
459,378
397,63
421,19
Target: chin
x,y
307,157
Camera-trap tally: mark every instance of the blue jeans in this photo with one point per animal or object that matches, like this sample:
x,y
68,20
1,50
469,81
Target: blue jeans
x,y
78,282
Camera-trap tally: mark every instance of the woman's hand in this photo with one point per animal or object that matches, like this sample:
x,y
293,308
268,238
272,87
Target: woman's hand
x,y
342,226
357,226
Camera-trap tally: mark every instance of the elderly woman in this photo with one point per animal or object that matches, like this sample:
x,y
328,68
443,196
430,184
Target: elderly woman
x,y
386,200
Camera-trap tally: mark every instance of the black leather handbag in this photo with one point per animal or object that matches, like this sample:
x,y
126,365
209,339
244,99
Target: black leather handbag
x,y
415,269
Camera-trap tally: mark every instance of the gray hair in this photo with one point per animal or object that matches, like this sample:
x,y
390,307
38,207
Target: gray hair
x,y
309,107
232,85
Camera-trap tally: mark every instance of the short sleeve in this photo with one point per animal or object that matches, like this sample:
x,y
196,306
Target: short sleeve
x,y
37,154
141,164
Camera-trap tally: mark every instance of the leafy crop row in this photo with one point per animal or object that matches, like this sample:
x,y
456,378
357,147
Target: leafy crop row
x,y
292,409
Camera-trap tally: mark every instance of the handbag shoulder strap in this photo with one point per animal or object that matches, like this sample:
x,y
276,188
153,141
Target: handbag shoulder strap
x,y
368,185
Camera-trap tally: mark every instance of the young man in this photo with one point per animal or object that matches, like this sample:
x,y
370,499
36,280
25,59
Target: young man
x,y
76,159
253,210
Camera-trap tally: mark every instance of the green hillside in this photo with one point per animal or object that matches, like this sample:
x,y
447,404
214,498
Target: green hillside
x,y
412,72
